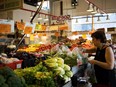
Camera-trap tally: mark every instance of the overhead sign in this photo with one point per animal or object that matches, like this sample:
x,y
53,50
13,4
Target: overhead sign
x,y
29,28
20,25
54,27
10,4
38,27
61,19
6,26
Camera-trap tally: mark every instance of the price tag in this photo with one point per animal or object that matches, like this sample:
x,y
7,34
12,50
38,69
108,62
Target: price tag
x,y
18,66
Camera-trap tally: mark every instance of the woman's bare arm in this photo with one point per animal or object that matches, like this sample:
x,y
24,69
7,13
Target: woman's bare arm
x,y
91,50
109,55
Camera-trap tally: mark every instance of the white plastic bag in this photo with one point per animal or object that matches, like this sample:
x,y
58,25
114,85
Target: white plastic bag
x,y
75,51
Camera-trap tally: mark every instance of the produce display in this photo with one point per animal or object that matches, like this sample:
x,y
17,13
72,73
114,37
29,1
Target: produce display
x,y
36,48
48,65
46,73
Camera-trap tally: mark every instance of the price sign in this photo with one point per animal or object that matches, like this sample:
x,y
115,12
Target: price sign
x,y
57,34
5,28
63,27
75,33
38,27
31,37
43,27
28,30
54,27
44,34
20,25
84,36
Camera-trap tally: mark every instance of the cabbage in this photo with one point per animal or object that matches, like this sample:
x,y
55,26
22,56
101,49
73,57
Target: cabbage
x,y
61,65
52,65
69,73
59,71
52,60
59,60
66,67
66,78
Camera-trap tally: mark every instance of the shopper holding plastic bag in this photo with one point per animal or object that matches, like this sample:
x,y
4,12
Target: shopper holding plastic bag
x,y
103,62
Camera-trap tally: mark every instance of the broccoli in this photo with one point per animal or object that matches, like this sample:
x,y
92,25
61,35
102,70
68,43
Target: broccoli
x,y
9,79
23,82
14,81
4,85
2,80
6,72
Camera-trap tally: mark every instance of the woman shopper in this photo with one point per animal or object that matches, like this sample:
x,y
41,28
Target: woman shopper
x,y
103,62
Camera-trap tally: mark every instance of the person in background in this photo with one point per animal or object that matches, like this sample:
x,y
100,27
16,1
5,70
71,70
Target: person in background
x,y
103,61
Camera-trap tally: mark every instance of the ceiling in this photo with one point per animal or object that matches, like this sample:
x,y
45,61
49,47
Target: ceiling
x,y
81,9
34,2
105,5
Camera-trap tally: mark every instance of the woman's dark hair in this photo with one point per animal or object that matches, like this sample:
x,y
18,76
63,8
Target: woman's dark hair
x,y
99,35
